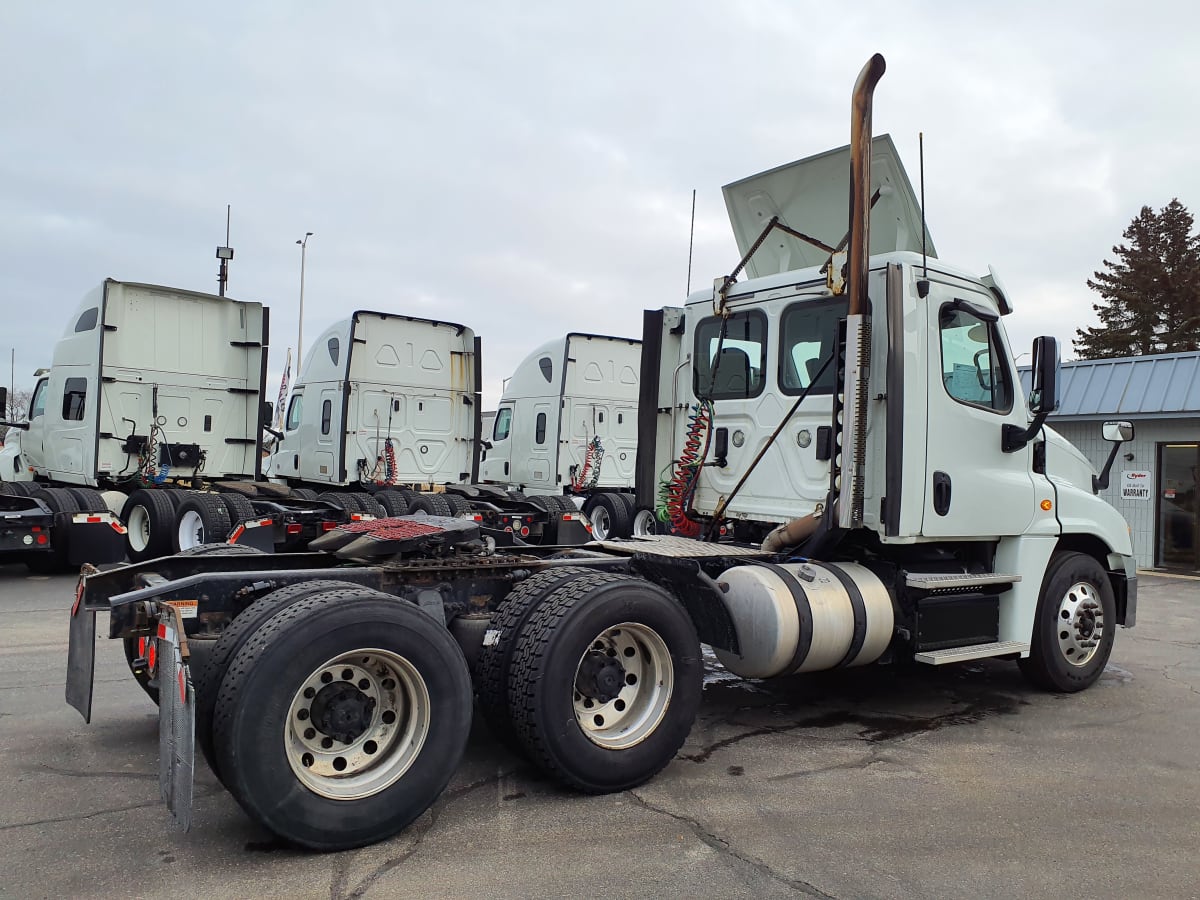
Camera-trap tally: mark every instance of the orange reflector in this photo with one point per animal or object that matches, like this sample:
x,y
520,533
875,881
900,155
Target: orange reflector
x,y
142,646
151,656
237,533
1047,505
92,519
182,687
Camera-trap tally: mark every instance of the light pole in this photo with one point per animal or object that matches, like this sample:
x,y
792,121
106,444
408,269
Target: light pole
x,y
300,333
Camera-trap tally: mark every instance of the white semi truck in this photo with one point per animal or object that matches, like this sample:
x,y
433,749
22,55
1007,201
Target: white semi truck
x,y
567,424
384,419
155,399
854,480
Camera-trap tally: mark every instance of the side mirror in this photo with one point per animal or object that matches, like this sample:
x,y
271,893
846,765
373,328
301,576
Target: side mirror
x,y
1118,432
267,413
1043,398
3,402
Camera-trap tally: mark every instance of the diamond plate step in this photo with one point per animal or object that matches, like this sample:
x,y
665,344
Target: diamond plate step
x,y
975,651
678,547
935,581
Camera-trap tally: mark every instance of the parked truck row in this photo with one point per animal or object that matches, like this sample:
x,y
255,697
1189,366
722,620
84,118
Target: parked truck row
x,y
154,406
851,475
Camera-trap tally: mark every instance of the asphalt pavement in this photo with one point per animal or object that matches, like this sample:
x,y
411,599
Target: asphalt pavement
x,y
947,782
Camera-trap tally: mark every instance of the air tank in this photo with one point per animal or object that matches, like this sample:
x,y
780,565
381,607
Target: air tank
x,y
805,617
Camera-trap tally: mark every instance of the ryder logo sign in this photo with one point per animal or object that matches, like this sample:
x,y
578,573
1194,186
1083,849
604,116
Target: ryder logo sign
x,y
1135,485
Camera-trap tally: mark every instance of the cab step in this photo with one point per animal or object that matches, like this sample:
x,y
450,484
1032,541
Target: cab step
x,y
940,581
973,651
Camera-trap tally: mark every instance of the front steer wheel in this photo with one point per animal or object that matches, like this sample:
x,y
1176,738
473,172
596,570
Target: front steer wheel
x,y
342,719
605,682
1074,626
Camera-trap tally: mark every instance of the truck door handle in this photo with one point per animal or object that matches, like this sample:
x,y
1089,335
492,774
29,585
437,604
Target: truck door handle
x,y
941,493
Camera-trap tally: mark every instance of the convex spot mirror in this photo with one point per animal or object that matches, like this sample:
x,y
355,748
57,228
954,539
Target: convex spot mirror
x,y
1118,432
1043,397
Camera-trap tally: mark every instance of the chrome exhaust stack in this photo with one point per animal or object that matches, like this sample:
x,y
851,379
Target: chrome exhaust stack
x,y
860,181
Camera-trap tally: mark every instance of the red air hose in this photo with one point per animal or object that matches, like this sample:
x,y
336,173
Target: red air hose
x,y
687,471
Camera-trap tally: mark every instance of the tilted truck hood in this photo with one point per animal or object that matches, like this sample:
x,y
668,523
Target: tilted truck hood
x,y
812,197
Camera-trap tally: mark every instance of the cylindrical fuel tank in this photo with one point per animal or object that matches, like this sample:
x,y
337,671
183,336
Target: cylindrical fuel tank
x,y
805,617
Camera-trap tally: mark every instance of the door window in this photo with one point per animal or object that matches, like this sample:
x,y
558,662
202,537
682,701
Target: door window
x,y
973,368
37,406
539,433
1179,478
808,336
730,366
74,398
503,424
326,415
295,408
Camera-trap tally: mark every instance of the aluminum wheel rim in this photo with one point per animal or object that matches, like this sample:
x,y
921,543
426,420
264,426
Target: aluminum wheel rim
x,y
138,527
644,523
191,530
1080,624
391,742
639,707
601,523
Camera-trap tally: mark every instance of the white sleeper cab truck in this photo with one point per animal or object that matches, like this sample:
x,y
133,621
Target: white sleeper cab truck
x,y
567,425
154,396
384,420
852,478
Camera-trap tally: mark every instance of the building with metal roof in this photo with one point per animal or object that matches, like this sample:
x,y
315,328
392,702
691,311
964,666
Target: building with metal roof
x,y
1155,478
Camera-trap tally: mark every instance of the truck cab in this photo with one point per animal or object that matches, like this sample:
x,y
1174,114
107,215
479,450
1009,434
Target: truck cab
x,y
384,399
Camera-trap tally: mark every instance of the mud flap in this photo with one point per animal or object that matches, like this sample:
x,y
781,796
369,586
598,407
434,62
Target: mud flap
x,y
81,656
176,720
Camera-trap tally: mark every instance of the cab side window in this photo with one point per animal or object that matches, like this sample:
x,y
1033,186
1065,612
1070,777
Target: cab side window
x,y
503,424
295,409
973,368
74,399
37,406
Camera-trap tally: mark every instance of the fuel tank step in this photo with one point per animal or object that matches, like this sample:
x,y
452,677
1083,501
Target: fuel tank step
x,y
938,581
974,651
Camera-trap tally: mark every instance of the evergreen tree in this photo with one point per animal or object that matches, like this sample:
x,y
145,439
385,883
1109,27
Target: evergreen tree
x,y
1150,296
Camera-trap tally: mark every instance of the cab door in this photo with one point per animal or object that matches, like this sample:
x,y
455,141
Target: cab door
x,y
495,466
31,440
973,488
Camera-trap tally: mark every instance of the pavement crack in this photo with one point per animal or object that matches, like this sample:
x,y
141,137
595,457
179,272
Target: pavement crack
x,y
340,883
866,762
74,773
100,812
726,849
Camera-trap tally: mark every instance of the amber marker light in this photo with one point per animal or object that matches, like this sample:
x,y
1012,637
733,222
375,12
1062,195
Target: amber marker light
x,y
1047,505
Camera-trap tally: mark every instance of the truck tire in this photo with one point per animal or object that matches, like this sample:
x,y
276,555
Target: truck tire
x,y
176,496
644,523
238,508
433,504
303,725
630,502
341,501
62,503
208,677
609,516
495,656
150,520
458,505
202,519
22,488
393,502
304,493
1074,626
369,504
605,682
88,500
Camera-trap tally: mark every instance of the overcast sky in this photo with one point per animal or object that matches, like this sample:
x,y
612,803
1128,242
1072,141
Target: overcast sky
x,y
527,168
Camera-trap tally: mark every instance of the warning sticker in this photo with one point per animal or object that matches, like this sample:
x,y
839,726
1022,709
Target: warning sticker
x,y
188,609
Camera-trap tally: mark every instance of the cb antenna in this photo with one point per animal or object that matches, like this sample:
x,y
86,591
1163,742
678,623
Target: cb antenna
x,y
923,284
691,239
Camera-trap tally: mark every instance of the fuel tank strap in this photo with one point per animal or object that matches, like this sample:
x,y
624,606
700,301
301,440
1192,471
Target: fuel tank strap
x,y
860,615
803,611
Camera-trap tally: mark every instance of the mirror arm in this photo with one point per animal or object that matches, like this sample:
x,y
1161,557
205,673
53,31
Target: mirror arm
x,y
1100,482
278,435
1014,437
23,426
